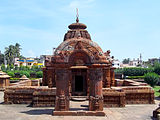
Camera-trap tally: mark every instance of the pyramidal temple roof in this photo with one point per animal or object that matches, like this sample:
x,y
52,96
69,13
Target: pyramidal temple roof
x,y
77,30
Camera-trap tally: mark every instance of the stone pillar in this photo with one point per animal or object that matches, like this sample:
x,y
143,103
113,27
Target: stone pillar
x,y
108,77
44,80
49,78
95,94
112,76
62,91
53,78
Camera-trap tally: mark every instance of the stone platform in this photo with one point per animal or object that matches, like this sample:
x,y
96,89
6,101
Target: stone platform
x,y
79,113
24,112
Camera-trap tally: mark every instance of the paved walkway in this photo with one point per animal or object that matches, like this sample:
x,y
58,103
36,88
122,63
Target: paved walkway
x,y
24,112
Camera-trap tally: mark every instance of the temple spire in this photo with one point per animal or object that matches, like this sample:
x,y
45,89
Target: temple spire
x,y
77,16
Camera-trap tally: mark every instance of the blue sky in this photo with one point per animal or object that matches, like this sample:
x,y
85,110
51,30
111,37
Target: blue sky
x,y
126,27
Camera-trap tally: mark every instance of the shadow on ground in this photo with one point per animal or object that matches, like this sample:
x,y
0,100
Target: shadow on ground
x,y
1,102
157,98
39,112
152,118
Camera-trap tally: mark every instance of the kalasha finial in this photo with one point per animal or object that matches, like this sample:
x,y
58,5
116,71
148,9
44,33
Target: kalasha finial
x,y
77,20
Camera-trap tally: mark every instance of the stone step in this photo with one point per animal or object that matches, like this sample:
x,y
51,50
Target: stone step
x,y
79,98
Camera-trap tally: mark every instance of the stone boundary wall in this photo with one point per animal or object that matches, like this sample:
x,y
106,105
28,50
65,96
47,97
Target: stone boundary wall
x,y
139,94
23,93
38,96
44,97
18,95
120,96
113,98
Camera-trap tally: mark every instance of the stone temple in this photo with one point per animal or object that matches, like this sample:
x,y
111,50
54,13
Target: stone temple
x,y
79,69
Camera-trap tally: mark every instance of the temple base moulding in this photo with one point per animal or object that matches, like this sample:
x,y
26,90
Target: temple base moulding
x,y
79,113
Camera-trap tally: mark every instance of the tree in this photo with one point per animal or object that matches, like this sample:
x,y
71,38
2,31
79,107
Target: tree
x,y
17,50
126,61
157,68
1,58
12,52
8,67
12,66
3,68
151,78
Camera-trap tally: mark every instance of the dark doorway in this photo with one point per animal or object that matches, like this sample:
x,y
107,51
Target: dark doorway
x,y
78,83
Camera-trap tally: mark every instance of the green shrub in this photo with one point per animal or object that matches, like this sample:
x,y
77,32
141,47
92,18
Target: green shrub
x,y
3,68
26,73
39,74
119,70
8,67
157,68
151,78
10,73
14,78
35,68
136,71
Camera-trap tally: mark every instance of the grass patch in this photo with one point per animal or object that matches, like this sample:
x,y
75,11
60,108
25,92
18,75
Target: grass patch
x,y
156,91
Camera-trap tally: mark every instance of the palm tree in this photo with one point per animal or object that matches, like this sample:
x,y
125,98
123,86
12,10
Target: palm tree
x,y
17,50
12,52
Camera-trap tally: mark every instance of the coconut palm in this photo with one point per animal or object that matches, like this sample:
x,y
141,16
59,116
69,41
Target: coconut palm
x,y
12,52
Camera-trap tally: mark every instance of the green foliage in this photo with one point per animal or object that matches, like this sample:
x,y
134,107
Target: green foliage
x,y
12,52
157,68
135,77
16,68
26,73
8,67
156,91
11,66
1,58
39,74
23,70
35,68
126,61
136,71
119,70
14,78
11,73
151,78
3,67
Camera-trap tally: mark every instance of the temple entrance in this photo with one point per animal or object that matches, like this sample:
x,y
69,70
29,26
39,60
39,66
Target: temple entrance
x,y
79,82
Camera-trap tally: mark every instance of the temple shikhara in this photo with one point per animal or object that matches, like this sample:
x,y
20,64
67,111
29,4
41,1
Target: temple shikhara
x,y
78,69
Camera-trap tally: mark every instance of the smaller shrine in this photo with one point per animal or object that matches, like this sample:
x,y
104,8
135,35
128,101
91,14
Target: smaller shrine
x,y
4,80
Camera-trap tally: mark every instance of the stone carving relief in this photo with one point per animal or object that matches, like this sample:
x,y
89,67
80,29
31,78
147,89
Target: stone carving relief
x,y
68,47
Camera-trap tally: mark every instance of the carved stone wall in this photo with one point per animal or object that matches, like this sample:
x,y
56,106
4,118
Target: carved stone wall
x,y
37,96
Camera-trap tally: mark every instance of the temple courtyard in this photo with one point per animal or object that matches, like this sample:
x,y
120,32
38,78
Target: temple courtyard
x,y
25,112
